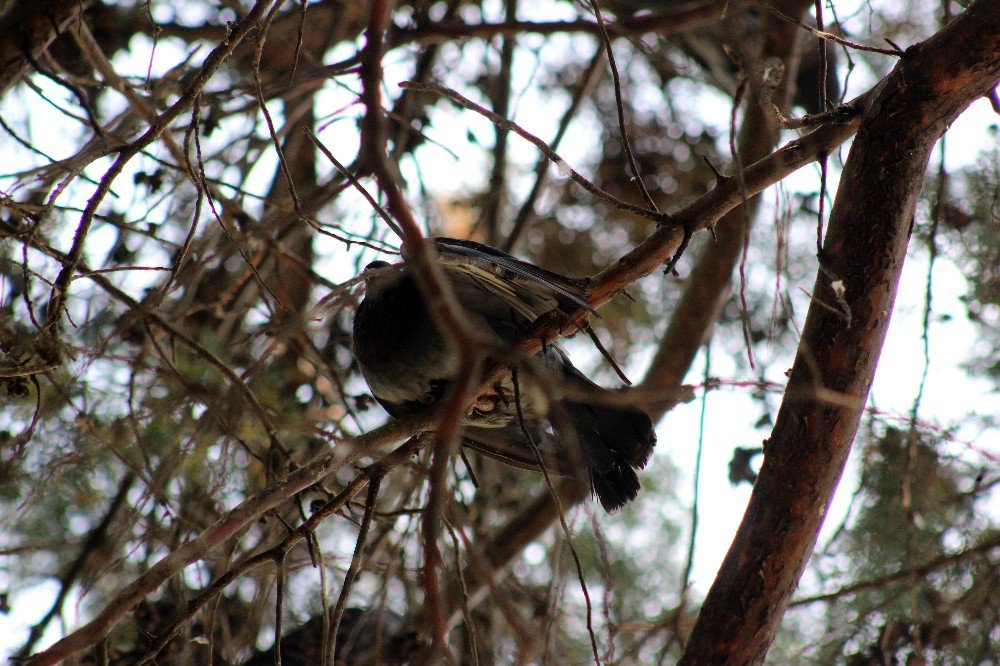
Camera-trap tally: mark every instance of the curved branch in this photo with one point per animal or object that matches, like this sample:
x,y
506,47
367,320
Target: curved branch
x,y
984,548
862,259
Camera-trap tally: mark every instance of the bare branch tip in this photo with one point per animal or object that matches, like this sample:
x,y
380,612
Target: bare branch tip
x,y
895,47
719,176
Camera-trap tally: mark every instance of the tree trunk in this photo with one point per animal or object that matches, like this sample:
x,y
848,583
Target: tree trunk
x,y
845,328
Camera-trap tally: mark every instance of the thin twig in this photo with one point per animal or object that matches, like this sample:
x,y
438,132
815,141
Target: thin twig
x,y
470,625
445,442
620,106
391,223
279,603
895,51
562,516
696,481
744,209
903,573
94,541
588,79
375,480
560,164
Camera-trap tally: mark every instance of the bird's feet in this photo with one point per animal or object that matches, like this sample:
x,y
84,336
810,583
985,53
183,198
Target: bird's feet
x,y
488,403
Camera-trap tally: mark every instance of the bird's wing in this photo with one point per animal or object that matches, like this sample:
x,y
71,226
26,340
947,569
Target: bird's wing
x,y
530,290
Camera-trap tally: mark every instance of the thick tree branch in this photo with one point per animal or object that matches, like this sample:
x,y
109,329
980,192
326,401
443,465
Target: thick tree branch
x,y
669,21
862,259
708,286
707,209
28,28
703,213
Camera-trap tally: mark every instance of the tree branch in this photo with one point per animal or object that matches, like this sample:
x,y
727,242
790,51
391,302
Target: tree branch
x,y
28,28
864,251
989,544
224,529
669,21
708,286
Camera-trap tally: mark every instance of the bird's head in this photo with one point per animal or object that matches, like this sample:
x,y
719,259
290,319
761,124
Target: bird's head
x,y
380,275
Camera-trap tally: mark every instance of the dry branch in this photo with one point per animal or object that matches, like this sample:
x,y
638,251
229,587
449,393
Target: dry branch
x,y
708,286
907,573
669,21
231,524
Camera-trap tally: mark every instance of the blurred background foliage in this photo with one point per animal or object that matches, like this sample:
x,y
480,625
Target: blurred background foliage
x,y
139,441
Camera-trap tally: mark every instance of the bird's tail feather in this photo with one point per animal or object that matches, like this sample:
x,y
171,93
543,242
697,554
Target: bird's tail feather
x,y
615,441
603,444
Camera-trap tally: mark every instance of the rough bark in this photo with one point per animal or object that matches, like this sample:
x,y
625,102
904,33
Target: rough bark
x,y
864,249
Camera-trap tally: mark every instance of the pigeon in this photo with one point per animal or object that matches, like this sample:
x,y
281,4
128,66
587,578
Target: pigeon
x,y
408,365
